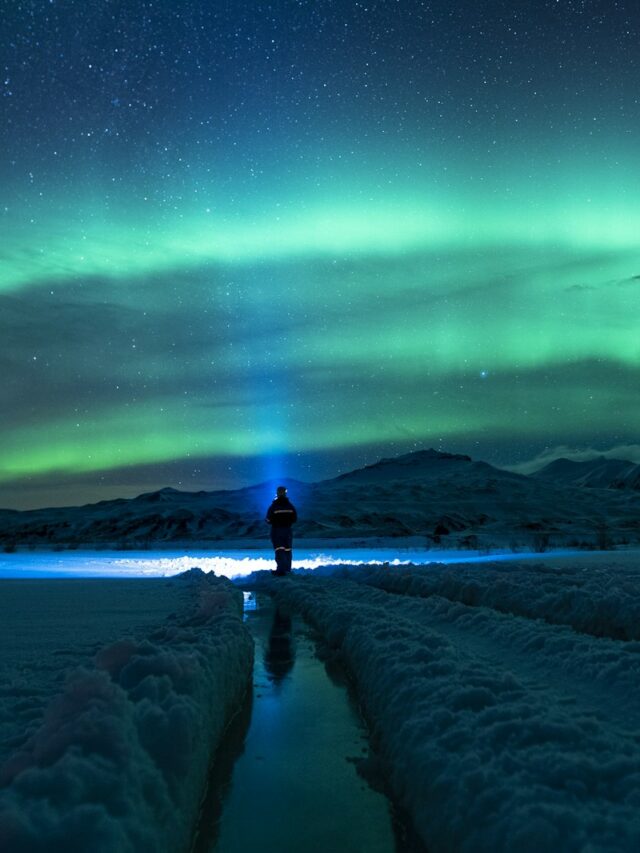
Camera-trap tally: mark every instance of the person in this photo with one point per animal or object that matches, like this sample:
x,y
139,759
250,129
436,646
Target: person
x,y
281,515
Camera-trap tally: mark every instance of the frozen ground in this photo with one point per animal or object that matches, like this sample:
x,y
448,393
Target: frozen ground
x,y
115,695
504,699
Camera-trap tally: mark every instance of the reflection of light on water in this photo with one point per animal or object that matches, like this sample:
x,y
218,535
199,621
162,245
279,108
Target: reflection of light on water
x,y
250,601
235,565
224,566
238,563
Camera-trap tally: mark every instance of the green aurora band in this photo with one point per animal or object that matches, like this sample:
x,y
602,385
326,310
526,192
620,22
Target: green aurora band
x,y
343,329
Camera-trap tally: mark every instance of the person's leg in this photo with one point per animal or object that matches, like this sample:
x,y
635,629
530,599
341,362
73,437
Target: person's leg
x,y
288,551
281,561
278,540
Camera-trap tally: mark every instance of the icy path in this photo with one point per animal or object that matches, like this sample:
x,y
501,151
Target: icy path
x,y
288,781
500,731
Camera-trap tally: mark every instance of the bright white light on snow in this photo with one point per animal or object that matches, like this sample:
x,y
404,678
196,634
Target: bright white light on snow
x,y
230,564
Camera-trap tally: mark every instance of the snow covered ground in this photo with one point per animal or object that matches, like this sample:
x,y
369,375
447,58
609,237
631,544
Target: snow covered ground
x,y
502,691
114,697
505,699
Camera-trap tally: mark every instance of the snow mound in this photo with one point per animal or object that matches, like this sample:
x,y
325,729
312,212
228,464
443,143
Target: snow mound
x,y
493,732
120,760
600,600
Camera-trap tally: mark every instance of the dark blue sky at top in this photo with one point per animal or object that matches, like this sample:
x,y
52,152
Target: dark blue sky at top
x,y
298,76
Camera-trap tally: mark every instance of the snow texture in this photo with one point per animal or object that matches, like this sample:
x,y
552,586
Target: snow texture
x,y
120,758
598,600
499,732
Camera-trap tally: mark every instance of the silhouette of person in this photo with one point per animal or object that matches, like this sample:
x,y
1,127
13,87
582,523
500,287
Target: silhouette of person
x,y
281,515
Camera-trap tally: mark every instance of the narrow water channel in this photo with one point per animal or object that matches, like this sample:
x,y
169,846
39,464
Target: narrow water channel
x,y
286,780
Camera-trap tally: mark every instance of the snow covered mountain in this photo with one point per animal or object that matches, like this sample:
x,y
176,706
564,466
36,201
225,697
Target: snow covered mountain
x,y
599,473
440,497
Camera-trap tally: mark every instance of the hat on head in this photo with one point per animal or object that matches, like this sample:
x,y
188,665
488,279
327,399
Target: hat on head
x,y
281,490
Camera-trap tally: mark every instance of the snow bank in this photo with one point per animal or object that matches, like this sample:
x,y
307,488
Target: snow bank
x,y
485,751
602,600
120,760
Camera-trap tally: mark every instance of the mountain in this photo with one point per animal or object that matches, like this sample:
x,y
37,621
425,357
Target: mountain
x,y
439,497
629,479
600,473
409,466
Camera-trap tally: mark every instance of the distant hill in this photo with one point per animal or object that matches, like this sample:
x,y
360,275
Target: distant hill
x,y
599,473
440,497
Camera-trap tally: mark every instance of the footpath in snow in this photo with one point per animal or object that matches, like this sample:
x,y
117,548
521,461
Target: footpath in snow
x,y
115,758
500,730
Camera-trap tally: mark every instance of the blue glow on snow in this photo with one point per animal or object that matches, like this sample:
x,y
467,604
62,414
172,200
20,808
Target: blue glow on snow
x,y
234,564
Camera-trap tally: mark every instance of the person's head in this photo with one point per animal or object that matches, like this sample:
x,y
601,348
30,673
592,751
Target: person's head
x,y
281,491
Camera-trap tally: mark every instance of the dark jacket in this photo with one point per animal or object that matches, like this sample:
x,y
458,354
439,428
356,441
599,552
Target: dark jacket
x,y
281,513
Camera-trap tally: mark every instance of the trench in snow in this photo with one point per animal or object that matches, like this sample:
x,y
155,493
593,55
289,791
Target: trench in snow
x,y
286,777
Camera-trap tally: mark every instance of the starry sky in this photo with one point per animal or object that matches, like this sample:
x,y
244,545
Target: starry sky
x,y
244,240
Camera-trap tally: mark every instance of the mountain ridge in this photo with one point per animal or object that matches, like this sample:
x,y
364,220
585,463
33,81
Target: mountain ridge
x,y
430,494
598,473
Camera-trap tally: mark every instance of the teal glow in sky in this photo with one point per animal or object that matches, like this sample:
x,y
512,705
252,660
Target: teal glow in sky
x,y
286,239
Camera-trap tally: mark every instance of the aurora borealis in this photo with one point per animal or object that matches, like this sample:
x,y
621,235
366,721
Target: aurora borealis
x,y
243,240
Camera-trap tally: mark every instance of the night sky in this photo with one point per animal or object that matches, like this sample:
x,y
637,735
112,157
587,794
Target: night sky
x,y
244,240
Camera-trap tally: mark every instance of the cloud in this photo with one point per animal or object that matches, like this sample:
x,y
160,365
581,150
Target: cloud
x,y
629,282
579,288
630,452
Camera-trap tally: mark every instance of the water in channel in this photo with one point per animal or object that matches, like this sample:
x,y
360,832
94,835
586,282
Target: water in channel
x,y
286,779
